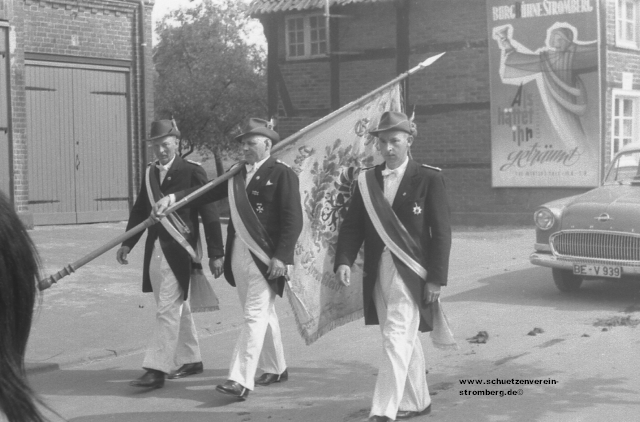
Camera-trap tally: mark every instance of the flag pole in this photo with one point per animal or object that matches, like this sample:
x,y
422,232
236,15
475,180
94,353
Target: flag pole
x,y
353,104
70,268
292,138
45,283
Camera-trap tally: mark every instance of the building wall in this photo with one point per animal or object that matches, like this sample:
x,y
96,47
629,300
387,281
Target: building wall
x,y
618,61
452,97
80,30
455,130
15,17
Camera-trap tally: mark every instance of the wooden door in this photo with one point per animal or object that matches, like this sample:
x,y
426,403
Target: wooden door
x,y
52,180
77,128
100,133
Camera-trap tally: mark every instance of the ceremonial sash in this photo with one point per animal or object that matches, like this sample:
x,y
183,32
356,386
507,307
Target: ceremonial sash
x,y
390,229
396,237
248,227
154,194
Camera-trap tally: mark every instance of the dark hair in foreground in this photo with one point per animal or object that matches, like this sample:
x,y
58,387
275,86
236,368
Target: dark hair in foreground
x,y
18,275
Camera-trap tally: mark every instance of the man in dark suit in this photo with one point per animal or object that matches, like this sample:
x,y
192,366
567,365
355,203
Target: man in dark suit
x,y
266,220
171,251
400,211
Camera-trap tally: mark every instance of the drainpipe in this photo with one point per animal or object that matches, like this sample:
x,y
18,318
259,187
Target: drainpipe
x,y
143,91
143,85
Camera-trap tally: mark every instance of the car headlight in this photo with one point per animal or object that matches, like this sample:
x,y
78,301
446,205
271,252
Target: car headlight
x,y
544,219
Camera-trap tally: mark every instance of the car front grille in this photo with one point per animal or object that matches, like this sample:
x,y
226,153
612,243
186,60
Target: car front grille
x,y
597,246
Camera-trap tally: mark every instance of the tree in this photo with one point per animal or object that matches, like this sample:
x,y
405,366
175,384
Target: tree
x,y
210,79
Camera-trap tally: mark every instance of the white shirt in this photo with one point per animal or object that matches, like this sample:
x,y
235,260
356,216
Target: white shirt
x,y
252,169
392,179
164,168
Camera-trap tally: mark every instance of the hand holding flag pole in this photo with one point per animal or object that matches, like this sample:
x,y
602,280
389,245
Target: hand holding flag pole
x,y
70,268
150,221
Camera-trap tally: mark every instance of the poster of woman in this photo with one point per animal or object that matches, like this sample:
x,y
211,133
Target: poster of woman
x,y
545,94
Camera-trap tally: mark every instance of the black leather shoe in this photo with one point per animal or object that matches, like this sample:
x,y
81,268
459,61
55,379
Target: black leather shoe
x,y
234,389
186,370
151,379
408,414
376,418
267,378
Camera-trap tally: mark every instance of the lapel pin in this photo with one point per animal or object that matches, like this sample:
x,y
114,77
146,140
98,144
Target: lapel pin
x,y
255,192
417,210
404,193
257,177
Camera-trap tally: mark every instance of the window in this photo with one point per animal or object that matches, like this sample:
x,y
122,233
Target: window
x,y
624,122
306,36
627,23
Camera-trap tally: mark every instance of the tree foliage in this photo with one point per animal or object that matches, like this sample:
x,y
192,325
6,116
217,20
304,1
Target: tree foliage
x,y
210,79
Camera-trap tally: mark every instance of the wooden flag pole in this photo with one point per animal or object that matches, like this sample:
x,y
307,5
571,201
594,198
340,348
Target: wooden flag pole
x,y
70,268
356,103
45,283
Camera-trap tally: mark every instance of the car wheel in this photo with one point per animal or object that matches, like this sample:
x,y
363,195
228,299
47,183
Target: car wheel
x,y
565,280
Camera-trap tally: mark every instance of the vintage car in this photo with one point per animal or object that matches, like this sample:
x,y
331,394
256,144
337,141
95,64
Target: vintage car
x,y
595,234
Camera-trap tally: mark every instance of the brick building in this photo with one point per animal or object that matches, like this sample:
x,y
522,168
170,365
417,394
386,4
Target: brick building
x,y
317,64
75,99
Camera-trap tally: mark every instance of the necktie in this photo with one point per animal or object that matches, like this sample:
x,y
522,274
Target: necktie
x,y
162,172
250,171
389,187
389,172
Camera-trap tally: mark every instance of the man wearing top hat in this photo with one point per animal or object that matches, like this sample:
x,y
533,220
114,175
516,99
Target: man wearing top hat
x,y
266,220
171,251
399,210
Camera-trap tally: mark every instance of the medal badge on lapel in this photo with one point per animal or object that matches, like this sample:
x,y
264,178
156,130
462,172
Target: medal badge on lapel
x,y
417,209
259,208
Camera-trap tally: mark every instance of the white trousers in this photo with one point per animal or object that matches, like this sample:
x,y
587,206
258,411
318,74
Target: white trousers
x,y
401,382
259,345
175,340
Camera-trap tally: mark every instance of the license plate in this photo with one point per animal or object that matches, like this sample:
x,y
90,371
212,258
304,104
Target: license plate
x,y
597,270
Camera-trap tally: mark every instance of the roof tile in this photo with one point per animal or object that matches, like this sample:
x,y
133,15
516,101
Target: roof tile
x,y
259,7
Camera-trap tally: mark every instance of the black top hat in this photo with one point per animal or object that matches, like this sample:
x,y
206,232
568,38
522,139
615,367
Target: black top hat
x,y
393,120
259,127
163,128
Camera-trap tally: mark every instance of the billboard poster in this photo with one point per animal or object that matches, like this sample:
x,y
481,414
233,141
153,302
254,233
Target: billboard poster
x,y
545,93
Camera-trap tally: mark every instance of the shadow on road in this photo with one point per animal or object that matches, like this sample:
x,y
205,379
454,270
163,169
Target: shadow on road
x,y
534,287
340,389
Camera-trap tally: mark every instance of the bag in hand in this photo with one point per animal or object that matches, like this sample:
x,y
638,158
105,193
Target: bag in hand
x,y
201,295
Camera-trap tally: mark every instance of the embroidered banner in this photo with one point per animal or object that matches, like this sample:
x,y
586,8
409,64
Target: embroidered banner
x,y
327,160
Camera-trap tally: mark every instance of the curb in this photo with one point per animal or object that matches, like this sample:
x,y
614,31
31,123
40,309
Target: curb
x,y
36,368
91,356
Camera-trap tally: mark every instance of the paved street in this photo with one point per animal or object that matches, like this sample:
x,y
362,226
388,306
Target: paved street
x,y
91,329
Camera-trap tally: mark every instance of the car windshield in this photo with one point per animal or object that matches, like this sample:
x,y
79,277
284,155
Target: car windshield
x,y
625,169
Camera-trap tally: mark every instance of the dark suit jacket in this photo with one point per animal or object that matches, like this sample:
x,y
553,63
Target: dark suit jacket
x,y
421,205
183,174
274,194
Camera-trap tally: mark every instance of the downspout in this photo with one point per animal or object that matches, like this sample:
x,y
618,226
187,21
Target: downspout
x,y
142,152
143,85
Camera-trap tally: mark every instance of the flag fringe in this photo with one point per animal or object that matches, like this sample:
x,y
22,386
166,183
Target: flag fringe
x,y
309,339
205,309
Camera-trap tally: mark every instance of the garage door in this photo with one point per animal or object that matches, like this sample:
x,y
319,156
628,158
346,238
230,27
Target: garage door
x,y
77,131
